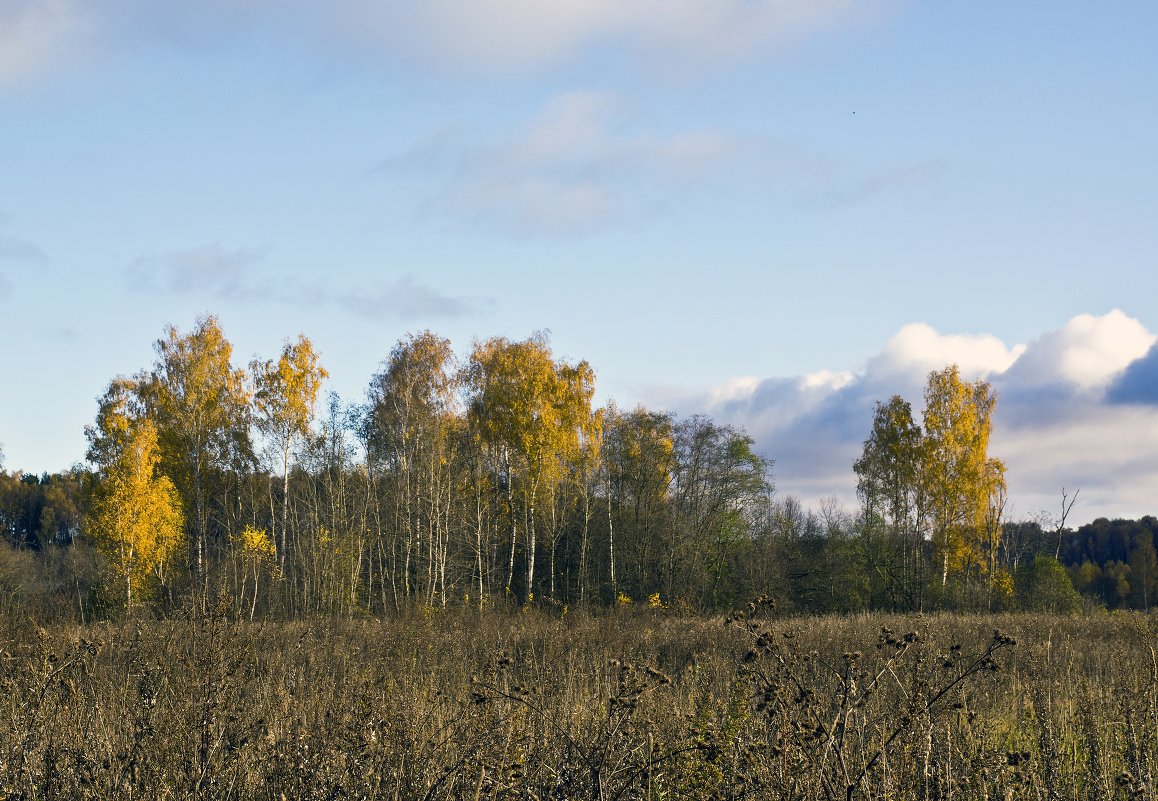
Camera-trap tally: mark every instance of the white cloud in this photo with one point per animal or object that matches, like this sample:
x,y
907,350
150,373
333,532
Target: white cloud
x,y
526,34
19,250
1105,451
220,272
1087,352
586,160
404,299
918,347
826,379
1056,424
737,389
892,178
37,34
580,162
501,35
571,125
232,275
535,204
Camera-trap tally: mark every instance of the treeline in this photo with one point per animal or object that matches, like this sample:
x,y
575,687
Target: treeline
x,y
495,481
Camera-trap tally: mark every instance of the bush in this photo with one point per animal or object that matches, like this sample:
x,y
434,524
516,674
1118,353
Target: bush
x,y
1044,586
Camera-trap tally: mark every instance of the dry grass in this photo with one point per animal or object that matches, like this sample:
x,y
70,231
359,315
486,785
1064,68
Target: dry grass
x,y
457,705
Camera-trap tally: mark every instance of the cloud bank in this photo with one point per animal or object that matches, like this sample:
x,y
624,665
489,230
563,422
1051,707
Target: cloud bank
x,y
1077,408
234,276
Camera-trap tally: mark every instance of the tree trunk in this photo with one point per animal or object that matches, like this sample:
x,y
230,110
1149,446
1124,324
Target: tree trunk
x,y
283,537
514,524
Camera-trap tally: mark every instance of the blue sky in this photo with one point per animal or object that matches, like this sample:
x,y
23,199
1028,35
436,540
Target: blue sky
x,y
709,201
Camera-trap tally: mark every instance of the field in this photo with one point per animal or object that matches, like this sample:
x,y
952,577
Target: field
x,y
639,705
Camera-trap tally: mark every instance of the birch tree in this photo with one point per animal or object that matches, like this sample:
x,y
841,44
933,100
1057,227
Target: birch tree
x,y
410,422
531,411
960,476
136,518
284,398
200,406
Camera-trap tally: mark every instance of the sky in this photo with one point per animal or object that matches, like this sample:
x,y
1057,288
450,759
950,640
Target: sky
x,y
775,212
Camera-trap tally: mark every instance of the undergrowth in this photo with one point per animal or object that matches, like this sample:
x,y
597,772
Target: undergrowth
x,y
461,705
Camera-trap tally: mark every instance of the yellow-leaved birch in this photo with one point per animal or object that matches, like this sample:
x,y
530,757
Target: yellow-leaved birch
x,y
533,411
136,517
960,478
285,396
200,405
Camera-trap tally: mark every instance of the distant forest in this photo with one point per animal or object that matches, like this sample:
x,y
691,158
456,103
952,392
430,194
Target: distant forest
x,y
495,482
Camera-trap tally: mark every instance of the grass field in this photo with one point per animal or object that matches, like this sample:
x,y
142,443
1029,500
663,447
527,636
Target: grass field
x,y
458,705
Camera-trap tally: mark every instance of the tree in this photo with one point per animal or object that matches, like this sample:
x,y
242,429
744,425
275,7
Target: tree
x,y
937,484
1067,504
284,397
587,480
136,518
409,426
254,549
532,411
200,406
117,410
719,487
638,459
961,480
891,490
1144,571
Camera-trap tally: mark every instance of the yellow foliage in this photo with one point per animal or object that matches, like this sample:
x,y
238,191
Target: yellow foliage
x,y
623,599
286,391
655,602
538,408
255,543
136,519
961,480
195,395
1002,584
642,445
116,412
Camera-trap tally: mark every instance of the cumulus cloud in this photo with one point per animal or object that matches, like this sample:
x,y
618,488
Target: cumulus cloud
x,y
1077,407
1106,451
235,275
919,348
1138,383
1087,352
